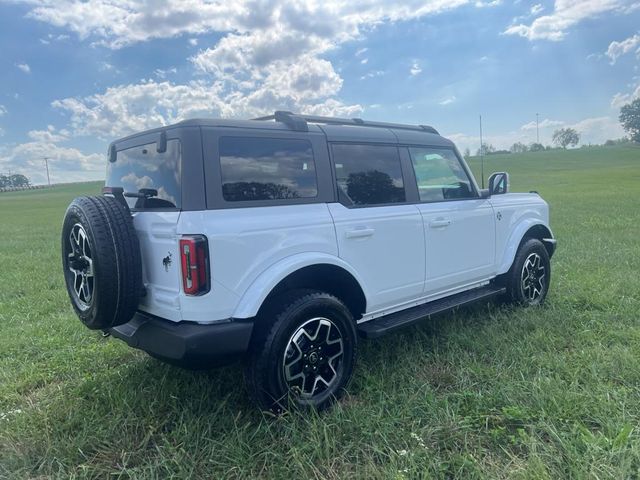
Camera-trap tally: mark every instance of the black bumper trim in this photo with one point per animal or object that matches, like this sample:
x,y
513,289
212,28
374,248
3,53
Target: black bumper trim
x,y
186,343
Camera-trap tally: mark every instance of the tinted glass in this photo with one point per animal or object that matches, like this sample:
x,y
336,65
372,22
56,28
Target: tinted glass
x,y
368,174
267,169
440,175
143,167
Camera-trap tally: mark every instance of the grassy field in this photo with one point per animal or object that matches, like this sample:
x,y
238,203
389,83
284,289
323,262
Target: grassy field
x,y
487,392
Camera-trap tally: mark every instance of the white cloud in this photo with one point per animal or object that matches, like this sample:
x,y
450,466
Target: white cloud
x,y
620,99
123,22
536,9
415,69
546,123
361,51
565,15
3,110
372,74
448,100
269,55
49,135
617,49
124,109
24,67
65,164
160,73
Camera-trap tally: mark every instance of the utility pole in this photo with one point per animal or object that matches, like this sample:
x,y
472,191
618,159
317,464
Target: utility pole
x,y
46,163
481,154
537,128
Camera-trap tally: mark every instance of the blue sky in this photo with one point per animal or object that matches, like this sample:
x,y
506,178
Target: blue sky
x,y
76,75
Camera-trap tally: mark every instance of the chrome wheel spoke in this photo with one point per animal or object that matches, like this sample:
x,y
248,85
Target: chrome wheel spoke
x,y
313,356
80,265
532,277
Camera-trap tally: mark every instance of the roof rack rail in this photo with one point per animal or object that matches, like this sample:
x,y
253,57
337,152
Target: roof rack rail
x,y
299,122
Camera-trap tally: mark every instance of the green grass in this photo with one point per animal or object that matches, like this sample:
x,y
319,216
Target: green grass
x,y
487,392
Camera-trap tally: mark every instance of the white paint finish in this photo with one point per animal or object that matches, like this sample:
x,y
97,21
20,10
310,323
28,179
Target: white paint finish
x,y
385,245
258,291
158,239
245,242
519,212
460,243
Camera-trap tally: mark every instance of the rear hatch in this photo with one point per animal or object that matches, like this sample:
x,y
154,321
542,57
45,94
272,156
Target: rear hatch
x,y
150,174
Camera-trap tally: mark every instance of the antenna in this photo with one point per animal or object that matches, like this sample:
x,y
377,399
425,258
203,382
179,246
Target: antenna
x,y
481,154
537,128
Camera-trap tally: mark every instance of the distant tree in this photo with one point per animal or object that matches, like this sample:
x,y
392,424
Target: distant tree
x,y
467,152
5,181
519,147
536,147
630,119
564,137
18,180
486,149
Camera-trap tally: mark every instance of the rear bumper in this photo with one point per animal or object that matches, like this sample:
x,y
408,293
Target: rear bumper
x,y
187,344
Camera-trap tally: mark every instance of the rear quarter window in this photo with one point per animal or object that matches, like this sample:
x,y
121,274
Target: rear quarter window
x,y
258,168
143,167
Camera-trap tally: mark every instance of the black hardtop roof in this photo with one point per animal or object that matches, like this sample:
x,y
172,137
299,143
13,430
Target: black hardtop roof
x,y
335,129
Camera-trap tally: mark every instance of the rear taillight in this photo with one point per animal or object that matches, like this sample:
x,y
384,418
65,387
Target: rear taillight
x,y
194,257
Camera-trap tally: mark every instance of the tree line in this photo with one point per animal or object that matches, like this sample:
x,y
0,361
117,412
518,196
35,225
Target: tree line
x,y
15,180
568,137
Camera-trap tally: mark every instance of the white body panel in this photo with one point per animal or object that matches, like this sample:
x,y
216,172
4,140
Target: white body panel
x,y
245,242
460,243
401,255
386,246
158,241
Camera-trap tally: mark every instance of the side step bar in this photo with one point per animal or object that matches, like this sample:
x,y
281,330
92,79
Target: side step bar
x,y
383,325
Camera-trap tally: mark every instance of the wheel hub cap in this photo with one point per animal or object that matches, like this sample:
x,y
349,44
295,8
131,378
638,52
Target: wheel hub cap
x,y
80,264
533,277
313,358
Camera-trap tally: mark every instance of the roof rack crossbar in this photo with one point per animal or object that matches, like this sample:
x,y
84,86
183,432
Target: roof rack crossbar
x,y
299,122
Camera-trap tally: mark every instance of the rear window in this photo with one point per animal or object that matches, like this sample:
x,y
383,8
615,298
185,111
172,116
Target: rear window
x,y
267,169
142,167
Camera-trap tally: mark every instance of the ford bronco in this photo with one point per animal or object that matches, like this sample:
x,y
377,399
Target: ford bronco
x,y
281,240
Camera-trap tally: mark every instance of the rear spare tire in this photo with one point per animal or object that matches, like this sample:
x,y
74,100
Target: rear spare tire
x,y
101,261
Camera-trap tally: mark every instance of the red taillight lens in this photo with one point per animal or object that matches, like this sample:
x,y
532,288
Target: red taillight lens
x,y
194,257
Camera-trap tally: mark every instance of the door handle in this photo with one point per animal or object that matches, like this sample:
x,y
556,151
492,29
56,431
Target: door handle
x,y
440,223
360,232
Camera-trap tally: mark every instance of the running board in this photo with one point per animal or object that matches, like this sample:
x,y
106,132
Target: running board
x,y
383,325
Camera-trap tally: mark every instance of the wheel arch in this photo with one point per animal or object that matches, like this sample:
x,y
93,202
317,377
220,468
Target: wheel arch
x,y
527,229
306,271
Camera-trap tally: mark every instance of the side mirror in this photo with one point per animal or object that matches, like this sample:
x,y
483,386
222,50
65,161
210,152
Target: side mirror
x,y
499,183
485,193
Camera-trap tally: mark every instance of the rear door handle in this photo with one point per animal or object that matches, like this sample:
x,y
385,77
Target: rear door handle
x,y
440,223
360,232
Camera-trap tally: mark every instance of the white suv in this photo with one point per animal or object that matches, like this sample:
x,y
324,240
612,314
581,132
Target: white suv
x,y
281,239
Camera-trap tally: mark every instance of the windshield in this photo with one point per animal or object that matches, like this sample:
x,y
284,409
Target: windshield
x,y
142,167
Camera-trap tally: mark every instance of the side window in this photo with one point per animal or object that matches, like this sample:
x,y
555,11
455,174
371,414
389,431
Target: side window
x,y
256,168
368,174
440,175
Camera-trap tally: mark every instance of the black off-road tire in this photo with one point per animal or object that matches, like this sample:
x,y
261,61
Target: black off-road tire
x,y
515,279
112,268
273,334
